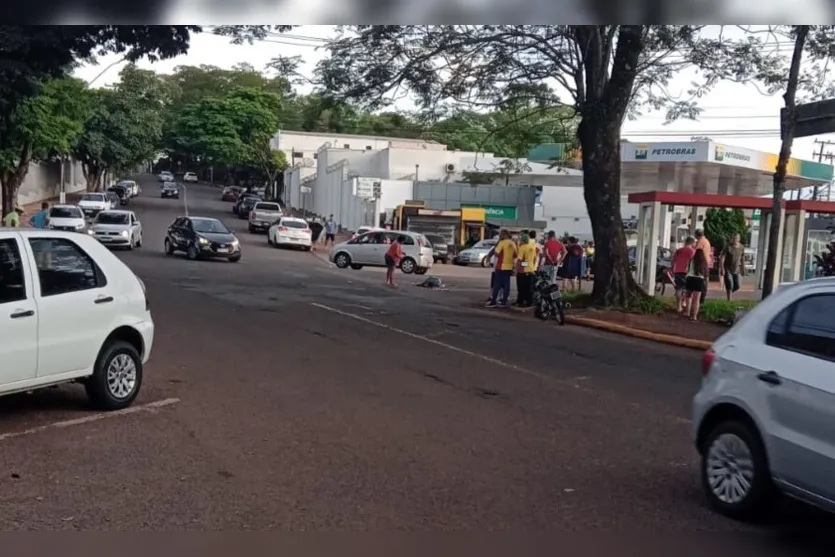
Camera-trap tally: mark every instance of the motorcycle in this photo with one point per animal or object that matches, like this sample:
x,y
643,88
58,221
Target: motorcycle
x,y
825,264
547,298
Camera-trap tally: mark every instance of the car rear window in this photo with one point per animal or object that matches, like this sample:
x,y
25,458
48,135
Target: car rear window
x,y
294,224
268,207
66,213
92,197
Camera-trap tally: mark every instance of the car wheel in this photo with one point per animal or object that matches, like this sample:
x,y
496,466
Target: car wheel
x,y
117,377
192,252
734,471
139,241
445,260
342,260
408,265
484,262
169,247
307,248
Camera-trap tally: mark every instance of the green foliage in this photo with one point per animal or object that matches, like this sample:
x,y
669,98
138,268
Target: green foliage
x,y
721,224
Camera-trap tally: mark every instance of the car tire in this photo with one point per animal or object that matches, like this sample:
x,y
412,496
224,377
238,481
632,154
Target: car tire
x,y
485,263
307,248
169,247
342,260
192,252
408,266
118,362
445,260
139,241
756,502
251,229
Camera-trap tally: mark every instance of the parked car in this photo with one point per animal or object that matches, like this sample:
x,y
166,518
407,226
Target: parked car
x,y
230,193
370,249
290,231
130,186
122,195
166,176
763,418
263,214
245,205
242,196
117,229
189,177
202,238
71,311
170,189
67,217
93,203
476,255
440,248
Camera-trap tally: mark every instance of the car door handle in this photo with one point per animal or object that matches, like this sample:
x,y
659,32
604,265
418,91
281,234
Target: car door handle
x,y
103,300
770,377
22,313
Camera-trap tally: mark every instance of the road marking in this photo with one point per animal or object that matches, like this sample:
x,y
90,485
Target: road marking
x,y
150,407
488,359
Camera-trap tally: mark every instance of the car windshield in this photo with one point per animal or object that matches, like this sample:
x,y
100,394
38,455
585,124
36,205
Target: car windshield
x,y
66,213
112,218
250,201
209,226
126,184
485,244
294,224
275,207
169,185
92,197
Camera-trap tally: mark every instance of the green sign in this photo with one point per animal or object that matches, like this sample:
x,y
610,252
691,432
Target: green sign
x,y
755,215
506,212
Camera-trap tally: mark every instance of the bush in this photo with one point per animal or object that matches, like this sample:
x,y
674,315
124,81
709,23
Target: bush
x,y
723,311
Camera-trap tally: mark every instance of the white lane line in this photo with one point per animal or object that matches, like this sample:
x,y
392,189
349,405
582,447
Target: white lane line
x,y
488,359
150,407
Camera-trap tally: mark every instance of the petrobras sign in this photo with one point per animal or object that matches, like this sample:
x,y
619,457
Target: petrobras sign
x,y
737,156
664,152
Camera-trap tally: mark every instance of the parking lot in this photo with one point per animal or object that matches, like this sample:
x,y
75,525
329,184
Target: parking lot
x,y
283,393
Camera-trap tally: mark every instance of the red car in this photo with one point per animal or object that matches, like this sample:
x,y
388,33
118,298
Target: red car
x,y
230,193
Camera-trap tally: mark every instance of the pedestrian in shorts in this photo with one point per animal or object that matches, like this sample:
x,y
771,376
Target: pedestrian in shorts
x,y
681,261
732,266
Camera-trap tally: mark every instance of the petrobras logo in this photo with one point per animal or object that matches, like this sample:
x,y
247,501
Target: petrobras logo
x,y
641,152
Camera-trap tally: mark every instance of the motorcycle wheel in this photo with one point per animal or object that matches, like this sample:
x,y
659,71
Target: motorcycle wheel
x,y
540,311
559,315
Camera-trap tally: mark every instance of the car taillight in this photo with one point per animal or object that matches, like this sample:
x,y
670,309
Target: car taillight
x,y
707,361
252,214
282,229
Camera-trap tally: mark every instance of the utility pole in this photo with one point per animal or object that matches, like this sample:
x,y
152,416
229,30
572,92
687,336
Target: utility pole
x,y
828,156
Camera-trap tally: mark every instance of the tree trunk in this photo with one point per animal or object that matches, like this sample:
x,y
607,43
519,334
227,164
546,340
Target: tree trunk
x,y
614,284
771,262
13,179
93,173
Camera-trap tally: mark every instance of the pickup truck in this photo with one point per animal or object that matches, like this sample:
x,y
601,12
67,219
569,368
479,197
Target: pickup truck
x,y
263,215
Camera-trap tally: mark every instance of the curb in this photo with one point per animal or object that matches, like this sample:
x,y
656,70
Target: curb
x,y
662,338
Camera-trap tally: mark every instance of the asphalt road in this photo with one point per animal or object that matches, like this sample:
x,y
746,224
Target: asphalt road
x,y
300,397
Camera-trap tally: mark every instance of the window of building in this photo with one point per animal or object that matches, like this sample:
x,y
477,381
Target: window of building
x,y
368,147
346,146
298,155
315,156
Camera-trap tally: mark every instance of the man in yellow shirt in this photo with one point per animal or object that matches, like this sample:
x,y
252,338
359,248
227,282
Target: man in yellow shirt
x,y
505,255
526,265
12,218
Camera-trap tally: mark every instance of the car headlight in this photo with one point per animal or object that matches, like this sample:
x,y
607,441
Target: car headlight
x,y
79,226
203,241
234,243
123,233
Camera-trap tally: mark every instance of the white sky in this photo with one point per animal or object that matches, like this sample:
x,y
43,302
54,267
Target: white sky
x,y
729,110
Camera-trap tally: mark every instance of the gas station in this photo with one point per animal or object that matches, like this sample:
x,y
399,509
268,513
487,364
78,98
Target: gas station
x,y
664,178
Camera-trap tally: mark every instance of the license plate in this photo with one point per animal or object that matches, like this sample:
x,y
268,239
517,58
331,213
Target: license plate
x,y
555,295
223,250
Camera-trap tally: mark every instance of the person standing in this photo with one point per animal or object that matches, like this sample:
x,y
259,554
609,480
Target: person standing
x,y
732,265
505,257
703,245
12,218
393,256
589,259
553,255
697,273
524,271
574,267
681,263
41,218
330,231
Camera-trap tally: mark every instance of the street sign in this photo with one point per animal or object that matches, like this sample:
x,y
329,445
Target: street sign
x,y
364,187
304,189
812,119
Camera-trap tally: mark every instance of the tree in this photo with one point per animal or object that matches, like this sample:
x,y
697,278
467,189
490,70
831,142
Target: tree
x,y
721,224
126,126
45,126
604,73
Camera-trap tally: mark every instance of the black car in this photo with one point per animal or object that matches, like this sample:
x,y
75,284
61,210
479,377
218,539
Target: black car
x,y
440,248
245,206
202,238
121,192
170,189
236,208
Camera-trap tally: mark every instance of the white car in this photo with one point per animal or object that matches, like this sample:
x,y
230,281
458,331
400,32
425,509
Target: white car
x,y
166,176
370,249
93,203
131,187
290,231
189,177
117,229
67,217
764,418
71,311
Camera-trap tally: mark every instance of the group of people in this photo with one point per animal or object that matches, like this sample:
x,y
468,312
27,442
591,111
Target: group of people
x,y
38,220
691,271
522,257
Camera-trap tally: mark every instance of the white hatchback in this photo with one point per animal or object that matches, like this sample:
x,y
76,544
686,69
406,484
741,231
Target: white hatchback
x,y
189,177
370,249
764,418
290,231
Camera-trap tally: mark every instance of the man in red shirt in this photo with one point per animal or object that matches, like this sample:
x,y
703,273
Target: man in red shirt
x,y
553,255
681,260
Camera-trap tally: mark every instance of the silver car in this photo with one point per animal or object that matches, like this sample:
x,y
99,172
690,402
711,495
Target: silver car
x,y
764,418
117,229
476,255
370,249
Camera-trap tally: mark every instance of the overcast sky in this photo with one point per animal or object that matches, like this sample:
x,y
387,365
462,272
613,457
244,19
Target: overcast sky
x,y
730,109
